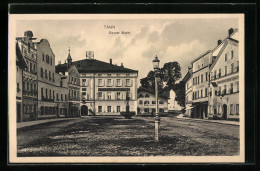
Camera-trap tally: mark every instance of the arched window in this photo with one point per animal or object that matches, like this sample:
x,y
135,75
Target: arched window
x,y
147,96
140,102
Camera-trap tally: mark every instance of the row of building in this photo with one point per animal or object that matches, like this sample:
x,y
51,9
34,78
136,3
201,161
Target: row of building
x,y
72,89
212,81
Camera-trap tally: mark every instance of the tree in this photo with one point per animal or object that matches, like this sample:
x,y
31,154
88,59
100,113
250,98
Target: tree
x,y
169,74
172,73
179,89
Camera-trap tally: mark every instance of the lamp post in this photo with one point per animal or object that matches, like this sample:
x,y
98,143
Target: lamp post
x,y
156,62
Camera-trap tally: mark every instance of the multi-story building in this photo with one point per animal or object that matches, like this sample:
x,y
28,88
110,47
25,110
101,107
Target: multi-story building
x,y
104,87
146,102
224,71
29,75
20,67
200,84
47,83
188,92
72,78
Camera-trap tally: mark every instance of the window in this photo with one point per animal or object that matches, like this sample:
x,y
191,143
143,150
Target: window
x,y
18,88
198,79
53,94
237,66
46,93
118,82
35,89
198,94
34,68
127,82
215,74
219,90
83,93
146,102
108,109
201,78
99,108
206,92
53,77
118,109
225,70
99,82
83,82
65,97
225,89
147,96
99,95
57,96
75,95
231,88
108,95
237,86
193,81
140,102
49,75
226,57
109,82
45,73
232,54
28,88
118,95
99,75
51,60
50,93
61,97
201,93
42,92
75,80
219,72
47,58
41,72
30,67
231,109
160,102
43,57
153,102
141,95
29,47
237,109
232,67
84,89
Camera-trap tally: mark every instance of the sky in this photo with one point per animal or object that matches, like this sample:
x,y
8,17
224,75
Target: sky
x,y
171,39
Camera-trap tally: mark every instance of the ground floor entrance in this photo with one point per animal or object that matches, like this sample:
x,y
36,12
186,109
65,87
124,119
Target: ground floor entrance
x,y
84,110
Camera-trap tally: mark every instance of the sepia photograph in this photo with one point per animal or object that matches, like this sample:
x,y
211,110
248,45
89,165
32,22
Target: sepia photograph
x,y
126,88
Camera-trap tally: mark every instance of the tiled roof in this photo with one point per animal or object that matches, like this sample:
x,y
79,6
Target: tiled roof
x,y
161,95
94,66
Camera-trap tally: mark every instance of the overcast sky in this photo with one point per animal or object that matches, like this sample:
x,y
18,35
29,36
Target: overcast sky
x,y
180,40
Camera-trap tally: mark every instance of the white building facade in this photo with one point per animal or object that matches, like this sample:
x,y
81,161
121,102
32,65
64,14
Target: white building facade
x,y
224,87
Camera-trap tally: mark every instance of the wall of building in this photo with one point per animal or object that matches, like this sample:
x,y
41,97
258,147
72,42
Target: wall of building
x,y
227,81
105,89
146,103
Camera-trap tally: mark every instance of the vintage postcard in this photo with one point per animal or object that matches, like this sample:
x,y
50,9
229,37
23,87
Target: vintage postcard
x,y
126,88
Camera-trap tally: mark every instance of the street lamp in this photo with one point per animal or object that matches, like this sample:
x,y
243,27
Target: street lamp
x,y
156,63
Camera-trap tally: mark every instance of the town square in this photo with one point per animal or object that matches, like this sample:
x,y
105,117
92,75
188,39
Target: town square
x,y
133,87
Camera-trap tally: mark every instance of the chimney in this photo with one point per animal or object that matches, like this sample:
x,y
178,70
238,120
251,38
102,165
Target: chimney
x,y
59,63
219,42
230,31
110,61
122,65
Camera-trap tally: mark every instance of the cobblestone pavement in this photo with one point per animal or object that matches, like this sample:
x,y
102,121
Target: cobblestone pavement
x,y
116,136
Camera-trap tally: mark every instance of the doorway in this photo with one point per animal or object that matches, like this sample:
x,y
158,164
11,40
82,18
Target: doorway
x,y
84,110
224,111
18,110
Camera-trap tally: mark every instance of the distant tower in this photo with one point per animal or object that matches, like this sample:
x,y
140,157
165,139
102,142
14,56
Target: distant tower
x,y
69,59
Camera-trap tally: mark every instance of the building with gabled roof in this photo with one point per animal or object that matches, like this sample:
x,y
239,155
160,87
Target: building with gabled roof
x,y
224,87
104,86
147,103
